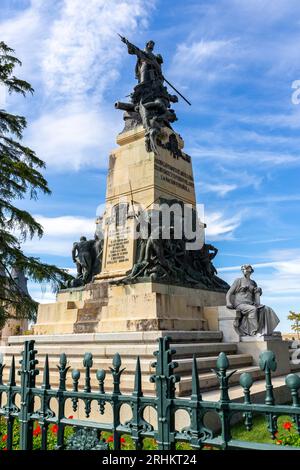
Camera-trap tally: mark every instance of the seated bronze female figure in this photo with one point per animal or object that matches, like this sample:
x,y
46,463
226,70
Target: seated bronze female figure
x,y
253,318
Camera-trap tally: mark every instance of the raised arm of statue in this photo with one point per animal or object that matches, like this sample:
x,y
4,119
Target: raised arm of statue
x,y
132,49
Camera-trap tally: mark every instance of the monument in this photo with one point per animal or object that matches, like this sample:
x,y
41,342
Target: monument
x,y
156,270
149,272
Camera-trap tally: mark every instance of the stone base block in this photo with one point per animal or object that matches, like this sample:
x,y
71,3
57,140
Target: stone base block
x,y
254,345
101,307
153,306
222,318
76,310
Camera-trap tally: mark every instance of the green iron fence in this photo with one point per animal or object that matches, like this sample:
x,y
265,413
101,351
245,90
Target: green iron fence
x,y
20,404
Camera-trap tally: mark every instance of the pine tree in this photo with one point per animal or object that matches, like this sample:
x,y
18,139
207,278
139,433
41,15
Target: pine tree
x,y
19,178
295,318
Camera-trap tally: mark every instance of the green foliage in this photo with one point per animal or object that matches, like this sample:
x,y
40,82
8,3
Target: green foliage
x,y
20,177
287,435
37,435
260,433
295,318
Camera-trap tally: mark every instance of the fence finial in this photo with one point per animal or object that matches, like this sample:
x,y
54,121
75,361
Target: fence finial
x,y
12,373
221,373
116,372
62,369
100,375
137,391
46,376
196,394
75,377
1,368
246,381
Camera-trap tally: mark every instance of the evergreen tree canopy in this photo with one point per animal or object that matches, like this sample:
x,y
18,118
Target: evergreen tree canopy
x,y
295,319
20,177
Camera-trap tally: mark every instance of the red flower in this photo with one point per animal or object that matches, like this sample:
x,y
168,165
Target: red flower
x,y
4,438
278,442
70,417
287,425
123,441
54,428
37,431
110,439
5,448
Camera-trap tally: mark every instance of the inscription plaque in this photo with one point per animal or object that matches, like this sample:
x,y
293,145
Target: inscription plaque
x,y
118,245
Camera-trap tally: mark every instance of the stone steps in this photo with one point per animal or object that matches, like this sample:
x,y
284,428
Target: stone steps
x,y
205,364
205,345
143,350
209,381
203,349
184,365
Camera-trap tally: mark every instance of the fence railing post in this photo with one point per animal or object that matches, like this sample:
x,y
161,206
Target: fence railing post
x,y
28,373
292,381
197,431
165,393
224,402
116,372
62,370
137,422
45,411
267,363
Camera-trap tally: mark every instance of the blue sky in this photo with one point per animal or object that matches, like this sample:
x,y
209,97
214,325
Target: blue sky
x,y
235,60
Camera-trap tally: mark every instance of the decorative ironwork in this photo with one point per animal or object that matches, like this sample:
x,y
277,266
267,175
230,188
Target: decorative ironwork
x,y
86,439
87,433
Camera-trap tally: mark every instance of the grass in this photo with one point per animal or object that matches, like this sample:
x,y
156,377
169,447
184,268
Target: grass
x,y
287,434
259,433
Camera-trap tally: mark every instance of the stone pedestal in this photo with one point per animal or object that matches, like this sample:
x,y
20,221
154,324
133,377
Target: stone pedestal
x,y
152,306
148,306
254,345
76,310
222,318
136,180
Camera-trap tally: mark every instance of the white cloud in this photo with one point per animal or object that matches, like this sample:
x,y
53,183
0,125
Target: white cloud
x,y
41,293
290,120
246,157
59,235
73,54
74,136
82,52
203,57
220,189
198,51
279,275
65,225
221,227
